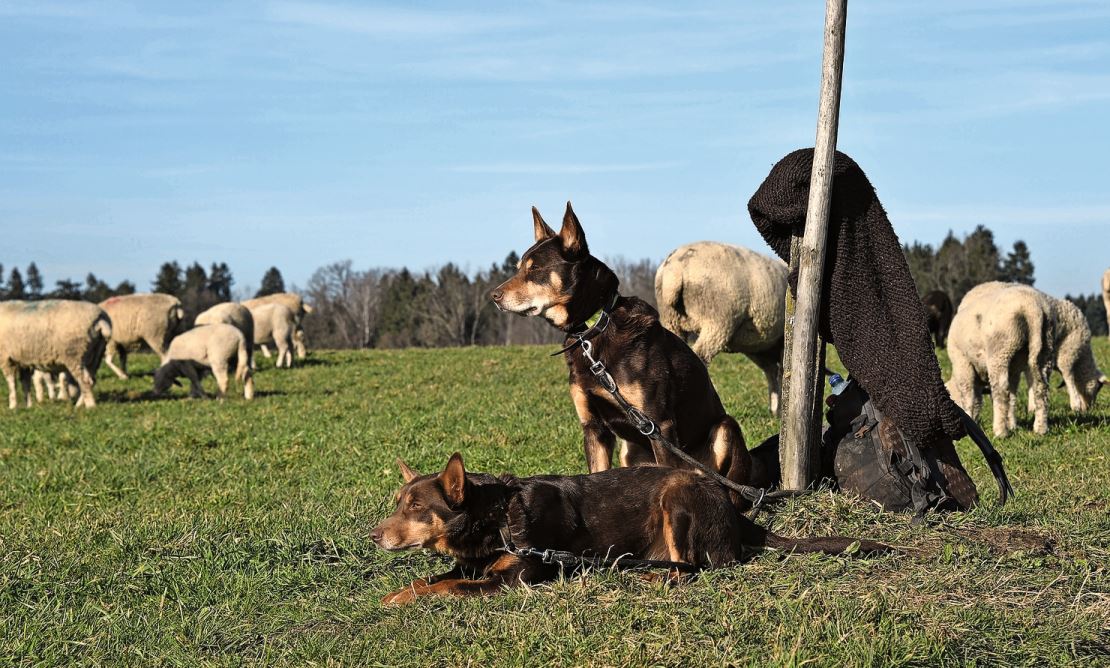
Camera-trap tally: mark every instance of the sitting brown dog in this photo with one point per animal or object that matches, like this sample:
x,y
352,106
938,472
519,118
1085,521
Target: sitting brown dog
x,y
655,370
644,512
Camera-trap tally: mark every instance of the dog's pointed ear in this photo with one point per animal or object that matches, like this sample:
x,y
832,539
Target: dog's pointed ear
x,y
542,229
453,480
407,474
574,239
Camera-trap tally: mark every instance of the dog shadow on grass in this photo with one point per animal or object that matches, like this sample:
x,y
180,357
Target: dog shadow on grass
x,y
147,396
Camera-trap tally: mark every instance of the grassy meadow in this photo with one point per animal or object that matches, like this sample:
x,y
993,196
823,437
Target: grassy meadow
x,y
195,532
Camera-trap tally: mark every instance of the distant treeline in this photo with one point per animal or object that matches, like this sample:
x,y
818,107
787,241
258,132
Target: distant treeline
x,y
391,308
958,265
448,306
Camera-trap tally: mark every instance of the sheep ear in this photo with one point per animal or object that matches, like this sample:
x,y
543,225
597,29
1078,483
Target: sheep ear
x,y
542,229
453,480
406,473
574,239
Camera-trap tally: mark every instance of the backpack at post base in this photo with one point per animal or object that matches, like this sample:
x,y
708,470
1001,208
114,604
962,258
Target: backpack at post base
x,y
866,453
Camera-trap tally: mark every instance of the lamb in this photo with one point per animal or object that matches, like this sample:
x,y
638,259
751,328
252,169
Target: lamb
x,y
1106,297
1004,330
206,348
52,335
237,315
275,323
938,315
151,318
732,299
297,305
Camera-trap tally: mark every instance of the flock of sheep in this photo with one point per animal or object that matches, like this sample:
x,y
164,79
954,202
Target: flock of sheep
x,y
725,298
57,345
1000,332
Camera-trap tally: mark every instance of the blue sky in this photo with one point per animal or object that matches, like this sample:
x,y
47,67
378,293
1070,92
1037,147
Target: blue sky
x,y
296,134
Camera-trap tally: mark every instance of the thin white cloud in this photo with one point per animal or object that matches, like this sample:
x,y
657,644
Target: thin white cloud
x,y
561,168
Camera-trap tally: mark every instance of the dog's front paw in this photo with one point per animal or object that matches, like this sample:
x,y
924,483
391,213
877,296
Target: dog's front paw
x,y
406,594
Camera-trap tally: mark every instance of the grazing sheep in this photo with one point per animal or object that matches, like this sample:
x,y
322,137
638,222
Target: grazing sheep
x,y
732,299
294,303
52,335
938,315
236,315
1106,297
275,323
151,318
1004,330
216,348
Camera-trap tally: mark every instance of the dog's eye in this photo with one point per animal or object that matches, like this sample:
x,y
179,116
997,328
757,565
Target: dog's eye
x,y
415,505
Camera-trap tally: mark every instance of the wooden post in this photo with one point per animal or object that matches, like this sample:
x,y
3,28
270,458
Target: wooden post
x,y
799,452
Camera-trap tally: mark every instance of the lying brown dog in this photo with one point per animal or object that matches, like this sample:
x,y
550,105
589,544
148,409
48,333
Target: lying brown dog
x,y
643,512
656,371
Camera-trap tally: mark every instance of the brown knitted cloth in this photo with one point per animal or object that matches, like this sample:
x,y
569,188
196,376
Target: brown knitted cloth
x,y
870,309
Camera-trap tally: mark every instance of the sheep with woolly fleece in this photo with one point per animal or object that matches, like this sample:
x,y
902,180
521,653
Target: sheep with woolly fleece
x,y
1106,297
218,348
274,323
1002,331
732,299
294,303
152,318
52,335
236,315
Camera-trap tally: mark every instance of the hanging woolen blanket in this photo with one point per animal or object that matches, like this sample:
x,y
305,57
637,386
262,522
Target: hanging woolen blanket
x,y
870,309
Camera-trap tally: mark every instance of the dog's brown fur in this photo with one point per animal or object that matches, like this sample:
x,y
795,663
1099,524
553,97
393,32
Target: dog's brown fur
x,y
644,512
656,371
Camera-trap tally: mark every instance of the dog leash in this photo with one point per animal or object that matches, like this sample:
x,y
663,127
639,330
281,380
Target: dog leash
x,y
564,559
646,426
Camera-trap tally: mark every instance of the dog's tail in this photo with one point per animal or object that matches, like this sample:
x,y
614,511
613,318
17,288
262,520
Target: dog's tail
x,y
668,296
760,537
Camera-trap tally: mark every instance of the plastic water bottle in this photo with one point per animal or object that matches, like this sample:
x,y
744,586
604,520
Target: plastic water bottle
x,y
837,383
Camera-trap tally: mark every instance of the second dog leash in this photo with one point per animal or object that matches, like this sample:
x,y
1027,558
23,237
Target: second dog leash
x,y
646,426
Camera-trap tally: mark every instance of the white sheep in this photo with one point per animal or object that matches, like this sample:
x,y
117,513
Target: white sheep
x,y
236,315
1106,297
217,348
731,299
152,318
52,335
275,323
294,303
1002,331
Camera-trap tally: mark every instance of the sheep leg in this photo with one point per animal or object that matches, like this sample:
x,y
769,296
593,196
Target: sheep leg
x,y
285,354
265,350
38,379
770,362
1038,392
85,381
25,383
13,401
1011,410
109,354
220,372
999,373
248,386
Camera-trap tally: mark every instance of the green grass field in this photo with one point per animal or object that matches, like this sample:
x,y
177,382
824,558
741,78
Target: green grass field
x,y
194,532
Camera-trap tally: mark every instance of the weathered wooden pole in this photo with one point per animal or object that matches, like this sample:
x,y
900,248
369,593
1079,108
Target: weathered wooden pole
x,y
799,450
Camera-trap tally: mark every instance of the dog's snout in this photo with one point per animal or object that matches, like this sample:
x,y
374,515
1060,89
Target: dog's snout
x,y
376,535
497,295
